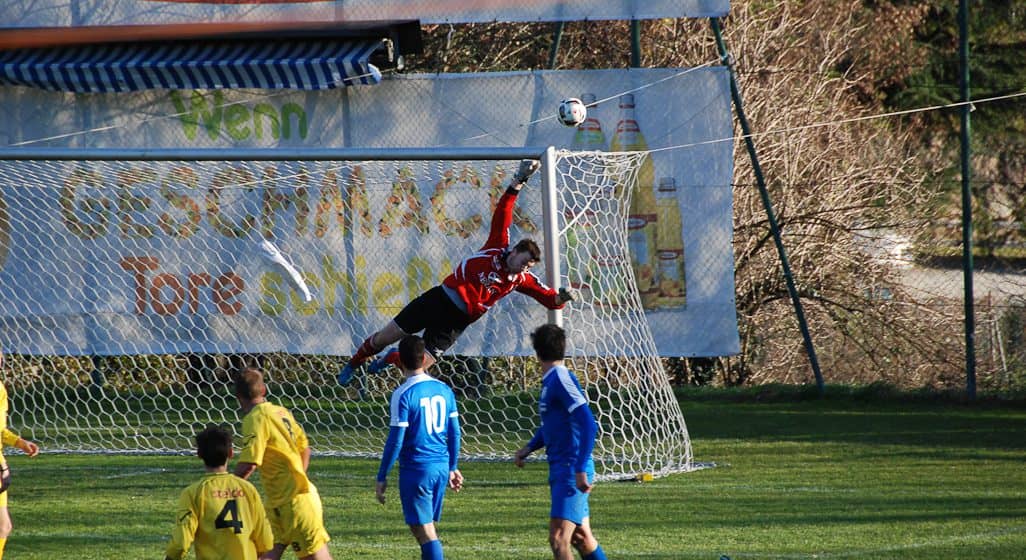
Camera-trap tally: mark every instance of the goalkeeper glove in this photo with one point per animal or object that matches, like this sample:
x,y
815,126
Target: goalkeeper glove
x,y
527,168
566,295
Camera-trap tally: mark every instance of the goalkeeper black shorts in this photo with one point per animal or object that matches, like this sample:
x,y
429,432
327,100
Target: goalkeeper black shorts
x,y
435,314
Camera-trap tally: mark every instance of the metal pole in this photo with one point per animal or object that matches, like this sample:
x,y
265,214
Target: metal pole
x,y
557,37
768,206
967,203
635,44
270,154
550,224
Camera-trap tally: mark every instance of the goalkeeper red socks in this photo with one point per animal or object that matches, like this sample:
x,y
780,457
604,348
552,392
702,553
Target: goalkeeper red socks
x,y
364,353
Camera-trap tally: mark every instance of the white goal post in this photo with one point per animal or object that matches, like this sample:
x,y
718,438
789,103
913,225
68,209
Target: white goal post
x,y
136,281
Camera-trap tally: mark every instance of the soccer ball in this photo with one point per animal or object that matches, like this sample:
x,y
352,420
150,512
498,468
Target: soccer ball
x,y
572,112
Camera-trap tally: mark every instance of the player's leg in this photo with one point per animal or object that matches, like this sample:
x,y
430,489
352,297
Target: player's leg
x,y
307,535
377,342
322,554
569,511
585,543
561,531
427,538
5,523
442,334
279,529
275,553
373,344
424,533
421,492
435,314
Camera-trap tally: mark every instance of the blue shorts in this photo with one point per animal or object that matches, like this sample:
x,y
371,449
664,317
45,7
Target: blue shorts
x,y
421,490
567,501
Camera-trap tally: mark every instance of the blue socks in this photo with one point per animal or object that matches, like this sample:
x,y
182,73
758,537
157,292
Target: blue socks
x,y
432,550
596,554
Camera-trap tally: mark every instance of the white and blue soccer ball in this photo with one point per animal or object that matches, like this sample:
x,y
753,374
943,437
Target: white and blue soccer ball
x,y
572,112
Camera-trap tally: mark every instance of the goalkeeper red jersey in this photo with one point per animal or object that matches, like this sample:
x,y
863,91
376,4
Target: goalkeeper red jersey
x,y
481,279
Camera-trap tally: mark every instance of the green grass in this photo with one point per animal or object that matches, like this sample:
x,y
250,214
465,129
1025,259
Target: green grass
x,y
843,477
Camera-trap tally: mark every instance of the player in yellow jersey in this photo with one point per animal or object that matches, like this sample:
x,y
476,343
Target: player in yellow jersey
x,y
275,443
221,514
10,439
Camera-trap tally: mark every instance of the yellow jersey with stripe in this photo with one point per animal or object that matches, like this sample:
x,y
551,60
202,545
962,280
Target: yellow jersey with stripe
x,y
223,517
274,441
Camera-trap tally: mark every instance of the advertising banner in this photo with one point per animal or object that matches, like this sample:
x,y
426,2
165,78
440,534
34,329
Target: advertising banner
x,y
82,13
100,258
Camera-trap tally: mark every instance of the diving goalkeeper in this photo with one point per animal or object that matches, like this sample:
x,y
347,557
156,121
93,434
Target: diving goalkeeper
x,y
480,280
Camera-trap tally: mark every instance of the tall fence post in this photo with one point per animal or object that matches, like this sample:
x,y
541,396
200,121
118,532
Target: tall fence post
x,y
767,204
967,203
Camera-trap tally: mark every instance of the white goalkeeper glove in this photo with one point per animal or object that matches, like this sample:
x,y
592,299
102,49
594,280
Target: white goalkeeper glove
x,y
527,168
566,295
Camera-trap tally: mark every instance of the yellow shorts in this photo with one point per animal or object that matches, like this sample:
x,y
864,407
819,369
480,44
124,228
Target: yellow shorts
x,y
299,524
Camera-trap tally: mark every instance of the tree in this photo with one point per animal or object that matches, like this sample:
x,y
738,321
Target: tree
x,y
852,194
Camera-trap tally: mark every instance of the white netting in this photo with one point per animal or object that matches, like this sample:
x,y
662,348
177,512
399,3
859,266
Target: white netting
x,y
133,289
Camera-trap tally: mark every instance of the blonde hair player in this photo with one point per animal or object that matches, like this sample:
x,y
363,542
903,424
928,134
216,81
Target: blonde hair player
x,y
275,443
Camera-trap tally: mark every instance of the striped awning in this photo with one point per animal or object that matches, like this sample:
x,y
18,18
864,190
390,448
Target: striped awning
x,y
294,64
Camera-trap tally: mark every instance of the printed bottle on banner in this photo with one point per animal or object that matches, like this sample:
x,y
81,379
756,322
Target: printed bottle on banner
x,y
641,218
609,285
580,238
588,136
670,246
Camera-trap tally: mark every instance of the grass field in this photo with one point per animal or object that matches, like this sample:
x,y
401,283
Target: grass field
x,y
834,478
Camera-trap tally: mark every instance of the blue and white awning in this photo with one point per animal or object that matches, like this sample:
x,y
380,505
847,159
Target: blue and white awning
x,y
294,64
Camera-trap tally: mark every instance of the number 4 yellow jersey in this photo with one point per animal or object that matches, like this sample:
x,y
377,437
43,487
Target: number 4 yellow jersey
x,y
274,441
221,515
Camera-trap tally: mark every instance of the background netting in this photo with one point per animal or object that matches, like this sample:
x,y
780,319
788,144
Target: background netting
x,y
133,290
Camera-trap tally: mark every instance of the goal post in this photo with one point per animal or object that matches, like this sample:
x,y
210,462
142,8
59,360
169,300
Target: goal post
x,y
136,281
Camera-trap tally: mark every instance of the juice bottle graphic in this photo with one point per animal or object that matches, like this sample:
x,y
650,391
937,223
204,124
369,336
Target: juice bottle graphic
x,y
588,135
580,237
609,282
642,214
670,246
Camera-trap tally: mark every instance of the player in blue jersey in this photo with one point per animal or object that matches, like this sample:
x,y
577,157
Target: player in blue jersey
x,y
567,433
425,437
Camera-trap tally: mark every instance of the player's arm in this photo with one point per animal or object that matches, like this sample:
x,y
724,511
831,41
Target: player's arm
x,y
536,443
502,218
302,443
184,531
588,427
396,434
552,299
254,444
453,437
262,537
244,469
569,394
12,439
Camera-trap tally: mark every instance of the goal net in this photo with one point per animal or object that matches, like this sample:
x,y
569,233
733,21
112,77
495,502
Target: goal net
x,y
134,288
